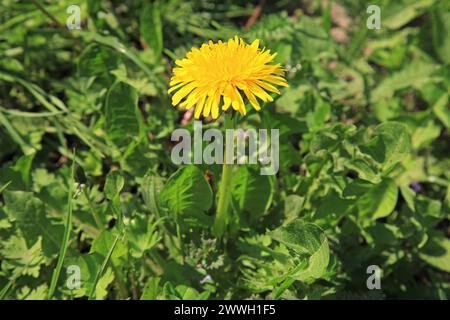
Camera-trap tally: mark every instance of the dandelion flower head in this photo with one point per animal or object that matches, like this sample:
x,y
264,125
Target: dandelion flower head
x,y
219,75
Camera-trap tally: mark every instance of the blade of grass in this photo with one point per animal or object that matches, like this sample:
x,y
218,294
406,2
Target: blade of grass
x,y
97,219
18,20
103,267
115,44
14,134
67,229
5,186
25,114
68,122
59,24
6,288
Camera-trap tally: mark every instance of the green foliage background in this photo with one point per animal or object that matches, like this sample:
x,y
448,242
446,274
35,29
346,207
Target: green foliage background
x,y
364,161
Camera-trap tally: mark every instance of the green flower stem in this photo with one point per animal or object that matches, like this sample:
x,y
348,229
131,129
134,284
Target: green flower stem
x,y
222,213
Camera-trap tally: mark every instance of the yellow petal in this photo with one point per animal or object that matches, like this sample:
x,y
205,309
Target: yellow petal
x,y
180,94
277,80
175,87
267,86
226,103
260,93
199,107
252,99
215,105
255,44
207,108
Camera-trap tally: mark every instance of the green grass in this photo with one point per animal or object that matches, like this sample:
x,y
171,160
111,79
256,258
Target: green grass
x,y
364,175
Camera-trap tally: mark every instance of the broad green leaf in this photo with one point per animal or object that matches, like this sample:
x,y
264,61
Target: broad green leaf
x,y
292,206
332,207
429,211
285,123
103,243
303,237
409,196
186,193
357,188
121,113
436,252
152,186
144,86
308,239
106,279
442,111
396,140
151,289
414,75
379,201
113,185
383,234
390,144
440,21
364,170
89,266
317,265
425,134
387,109
104,271
97,61
18,175
251,192
187,293
312,40
151,26
181,292
400,12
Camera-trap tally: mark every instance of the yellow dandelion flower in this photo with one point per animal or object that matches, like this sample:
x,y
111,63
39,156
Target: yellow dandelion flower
x,y
217,74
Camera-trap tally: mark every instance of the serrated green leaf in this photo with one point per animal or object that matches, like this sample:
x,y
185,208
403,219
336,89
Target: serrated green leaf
x,y
413,75
186,193
21,258
113,185
142,236
30,217
121,114
152,186
151,26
